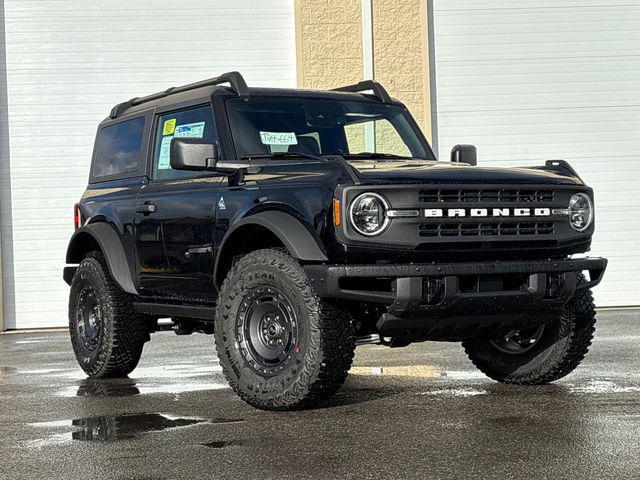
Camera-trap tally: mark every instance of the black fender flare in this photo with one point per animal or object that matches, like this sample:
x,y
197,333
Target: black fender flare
x,y
297,239
111,246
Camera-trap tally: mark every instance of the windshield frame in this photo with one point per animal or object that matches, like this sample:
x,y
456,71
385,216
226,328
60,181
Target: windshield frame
x,y
429,153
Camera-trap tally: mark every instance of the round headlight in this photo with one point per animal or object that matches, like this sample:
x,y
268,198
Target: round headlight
x,y
368,214
580,212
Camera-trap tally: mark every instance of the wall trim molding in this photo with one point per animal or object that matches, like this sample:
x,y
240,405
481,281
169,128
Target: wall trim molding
x,y
297,13
431,55
368,68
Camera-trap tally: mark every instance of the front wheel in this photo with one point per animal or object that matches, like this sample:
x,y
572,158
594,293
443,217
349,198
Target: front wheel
x,y
279,345
542,354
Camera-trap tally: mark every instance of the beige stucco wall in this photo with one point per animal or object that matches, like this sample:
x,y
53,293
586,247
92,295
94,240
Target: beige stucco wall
x,y
329,43
330,51
401,55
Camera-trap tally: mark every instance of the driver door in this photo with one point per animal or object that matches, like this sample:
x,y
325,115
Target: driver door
x,y
176,212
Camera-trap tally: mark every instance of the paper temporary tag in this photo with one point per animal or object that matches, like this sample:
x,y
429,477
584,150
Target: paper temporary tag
x,y
278,138
164,160
192,130
169,126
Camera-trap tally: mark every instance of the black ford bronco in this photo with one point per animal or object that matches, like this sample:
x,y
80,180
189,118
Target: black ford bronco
x,y
294,225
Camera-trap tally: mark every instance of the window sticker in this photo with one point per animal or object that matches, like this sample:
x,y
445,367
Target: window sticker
x,y
164,160
278,138
193,130
169,126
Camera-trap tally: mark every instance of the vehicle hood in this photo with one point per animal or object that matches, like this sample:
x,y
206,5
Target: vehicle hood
x,y
422,171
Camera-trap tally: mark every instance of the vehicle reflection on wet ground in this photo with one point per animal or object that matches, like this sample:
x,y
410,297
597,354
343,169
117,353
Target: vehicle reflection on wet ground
x,y
109,429
419,412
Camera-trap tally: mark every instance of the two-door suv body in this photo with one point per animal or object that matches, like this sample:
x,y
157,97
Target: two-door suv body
x,y
295,225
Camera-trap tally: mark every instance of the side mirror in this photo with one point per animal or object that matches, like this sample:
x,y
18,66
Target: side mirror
x,y
195,154
464,154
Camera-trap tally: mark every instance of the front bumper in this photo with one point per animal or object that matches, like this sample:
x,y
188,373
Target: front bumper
x,y
459,300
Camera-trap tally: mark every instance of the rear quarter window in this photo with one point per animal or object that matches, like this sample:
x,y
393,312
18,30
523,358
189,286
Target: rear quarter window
x,y
118,150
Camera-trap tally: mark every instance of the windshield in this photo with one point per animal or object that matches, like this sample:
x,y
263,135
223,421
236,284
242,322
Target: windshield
x,y
355,130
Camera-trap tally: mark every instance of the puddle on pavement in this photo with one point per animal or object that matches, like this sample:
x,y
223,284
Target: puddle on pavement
x,y
128,388
43,371
104,388
231,443
457,392
603,387
177,372
109,429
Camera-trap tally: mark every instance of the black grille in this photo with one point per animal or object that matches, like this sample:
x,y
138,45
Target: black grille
x,y
490,229
501,195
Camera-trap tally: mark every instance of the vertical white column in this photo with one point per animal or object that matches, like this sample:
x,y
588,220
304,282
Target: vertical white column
x,y
1,280
3,148
368,70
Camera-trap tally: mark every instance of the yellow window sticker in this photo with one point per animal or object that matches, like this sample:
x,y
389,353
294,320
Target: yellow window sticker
x,y
169,127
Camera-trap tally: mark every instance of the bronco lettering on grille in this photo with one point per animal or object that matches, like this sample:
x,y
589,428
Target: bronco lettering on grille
x,y
486,212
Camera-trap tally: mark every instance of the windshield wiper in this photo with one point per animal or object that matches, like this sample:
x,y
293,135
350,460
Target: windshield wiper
x,y
283,155
374,155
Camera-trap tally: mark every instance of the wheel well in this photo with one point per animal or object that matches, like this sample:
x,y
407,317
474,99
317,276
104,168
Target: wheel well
x,y
245,239
82,244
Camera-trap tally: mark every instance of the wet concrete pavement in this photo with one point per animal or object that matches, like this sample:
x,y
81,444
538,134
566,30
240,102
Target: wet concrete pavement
x,y
417,412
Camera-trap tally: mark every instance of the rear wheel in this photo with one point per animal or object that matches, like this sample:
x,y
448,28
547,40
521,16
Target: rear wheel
x,y
280,346
540,354
106,334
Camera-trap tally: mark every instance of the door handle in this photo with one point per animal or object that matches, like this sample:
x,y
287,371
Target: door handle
x,y
193,251
146,208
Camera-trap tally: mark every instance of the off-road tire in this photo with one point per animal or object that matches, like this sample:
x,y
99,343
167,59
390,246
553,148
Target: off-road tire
x,y
122,333
316,368
560,349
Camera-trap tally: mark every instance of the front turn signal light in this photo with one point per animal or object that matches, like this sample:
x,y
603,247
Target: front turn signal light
x,y
337,220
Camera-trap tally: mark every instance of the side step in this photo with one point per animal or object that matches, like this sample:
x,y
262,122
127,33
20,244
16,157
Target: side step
x,y
165,310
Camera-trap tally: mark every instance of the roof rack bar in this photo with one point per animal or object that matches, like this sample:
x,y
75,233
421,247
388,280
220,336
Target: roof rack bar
x,y
232,78
378,90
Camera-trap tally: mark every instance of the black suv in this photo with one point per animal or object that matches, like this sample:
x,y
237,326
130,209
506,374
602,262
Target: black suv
x,y
295,225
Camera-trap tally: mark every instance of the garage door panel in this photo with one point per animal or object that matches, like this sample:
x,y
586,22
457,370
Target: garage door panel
x,y
68,63
464,6
545,94
531,81
590,133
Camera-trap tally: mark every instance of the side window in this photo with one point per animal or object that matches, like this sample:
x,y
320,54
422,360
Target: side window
x,y
118,149
195,122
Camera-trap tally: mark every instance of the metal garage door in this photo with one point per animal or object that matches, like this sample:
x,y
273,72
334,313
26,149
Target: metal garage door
x,y
68,63
529,81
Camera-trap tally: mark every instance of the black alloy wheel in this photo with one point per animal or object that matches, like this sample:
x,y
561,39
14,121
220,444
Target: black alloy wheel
x,y
89,318
518,341
267,330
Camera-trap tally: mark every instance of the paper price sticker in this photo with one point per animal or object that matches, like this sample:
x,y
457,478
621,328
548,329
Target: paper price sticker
x,y
169,127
